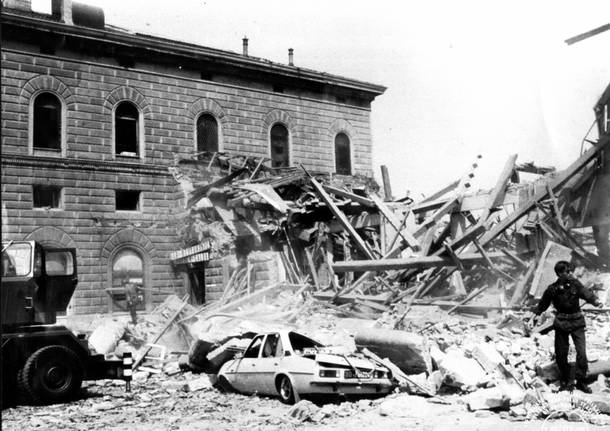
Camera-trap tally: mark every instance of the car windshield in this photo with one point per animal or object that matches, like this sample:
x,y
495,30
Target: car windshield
x,y
16,260
301,342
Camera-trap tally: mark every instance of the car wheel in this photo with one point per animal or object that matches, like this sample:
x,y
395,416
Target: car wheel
x,y
286,390
52,374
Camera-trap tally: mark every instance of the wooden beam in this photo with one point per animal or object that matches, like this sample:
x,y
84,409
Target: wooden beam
x,y
521,287
587,34
496,197
362,246
440,193
555,206
387,187
351,196
513,256
417,262
312,268
456,260
468,298
556,184
391,218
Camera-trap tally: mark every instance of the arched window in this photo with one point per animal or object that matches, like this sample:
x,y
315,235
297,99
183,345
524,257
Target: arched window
x,y
343,158
126,129
47,122
207,133
280,156
127,273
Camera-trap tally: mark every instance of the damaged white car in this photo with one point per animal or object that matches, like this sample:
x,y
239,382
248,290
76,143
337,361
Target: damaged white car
x,y
289,364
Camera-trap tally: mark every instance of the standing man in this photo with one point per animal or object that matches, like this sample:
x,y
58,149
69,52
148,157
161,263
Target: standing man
x,y
565,294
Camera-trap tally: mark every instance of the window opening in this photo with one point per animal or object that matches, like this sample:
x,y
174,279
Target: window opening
x,y
280,157
343,162
128,279
207,133
46,196
127,200
47,122
126,130
254,348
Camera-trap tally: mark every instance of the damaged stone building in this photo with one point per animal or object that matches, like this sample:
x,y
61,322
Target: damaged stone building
x,y
94,115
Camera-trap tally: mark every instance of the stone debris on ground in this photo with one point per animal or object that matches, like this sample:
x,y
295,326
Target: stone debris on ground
x,y
436,289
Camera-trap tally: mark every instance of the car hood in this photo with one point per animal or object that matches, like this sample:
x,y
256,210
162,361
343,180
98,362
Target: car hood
x,y
351,361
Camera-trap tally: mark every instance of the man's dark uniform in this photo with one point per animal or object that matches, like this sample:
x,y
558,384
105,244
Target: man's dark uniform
x,y
565,294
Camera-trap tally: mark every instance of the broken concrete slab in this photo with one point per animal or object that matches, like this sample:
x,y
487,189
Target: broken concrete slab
x,y
224,353
461,372
198,384
303,411
106,336
485,399
487,356
406,350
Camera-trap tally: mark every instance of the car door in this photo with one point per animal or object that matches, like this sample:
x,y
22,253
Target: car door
x,y
269,363
243,378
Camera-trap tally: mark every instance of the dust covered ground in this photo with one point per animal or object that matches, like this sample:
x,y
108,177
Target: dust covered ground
x,y
161,403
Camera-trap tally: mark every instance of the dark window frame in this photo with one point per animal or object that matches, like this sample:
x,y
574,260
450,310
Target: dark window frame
x,y
343,154
123,196
207,133
47,122
127,130
40,201
279,146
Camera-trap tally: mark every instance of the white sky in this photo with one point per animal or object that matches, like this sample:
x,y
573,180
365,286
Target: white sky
x,y
464,77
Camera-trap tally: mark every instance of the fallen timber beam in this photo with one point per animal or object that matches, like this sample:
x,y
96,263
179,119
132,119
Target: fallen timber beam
x,y
555,185
391,218
497,194
352,196
417,262
364,248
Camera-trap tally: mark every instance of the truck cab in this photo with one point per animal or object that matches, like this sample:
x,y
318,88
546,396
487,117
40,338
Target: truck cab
x,y
43,362
37,282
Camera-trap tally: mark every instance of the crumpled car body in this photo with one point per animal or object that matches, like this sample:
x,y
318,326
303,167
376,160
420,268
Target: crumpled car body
x,y
288,364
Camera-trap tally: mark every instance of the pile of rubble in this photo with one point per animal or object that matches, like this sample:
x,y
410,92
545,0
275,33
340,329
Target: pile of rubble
x,y
393,279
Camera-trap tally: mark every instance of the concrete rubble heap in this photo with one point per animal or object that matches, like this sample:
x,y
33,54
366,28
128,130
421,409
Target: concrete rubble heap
x,y
435,289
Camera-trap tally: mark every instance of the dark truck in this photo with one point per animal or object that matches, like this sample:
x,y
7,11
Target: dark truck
x,y
43,362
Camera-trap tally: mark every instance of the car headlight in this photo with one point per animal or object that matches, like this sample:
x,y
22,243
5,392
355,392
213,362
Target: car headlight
x,y
329,373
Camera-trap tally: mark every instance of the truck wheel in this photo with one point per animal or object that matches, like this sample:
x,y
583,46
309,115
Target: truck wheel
x,y
53,374
23,389
286,390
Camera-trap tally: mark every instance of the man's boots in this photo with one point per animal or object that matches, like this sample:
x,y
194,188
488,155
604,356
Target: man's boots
x,y
566,386
582,386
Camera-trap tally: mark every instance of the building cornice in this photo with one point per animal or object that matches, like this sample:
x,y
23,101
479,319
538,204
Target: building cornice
x,y
120,167
192,51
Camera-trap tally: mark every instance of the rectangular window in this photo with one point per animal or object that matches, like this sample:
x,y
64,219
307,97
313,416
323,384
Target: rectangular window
x,y
127,200
606,119
46,196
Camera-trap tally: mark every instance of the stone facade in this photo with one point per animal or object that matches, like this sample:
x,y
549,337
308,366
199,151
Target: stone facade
x,y
90,78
